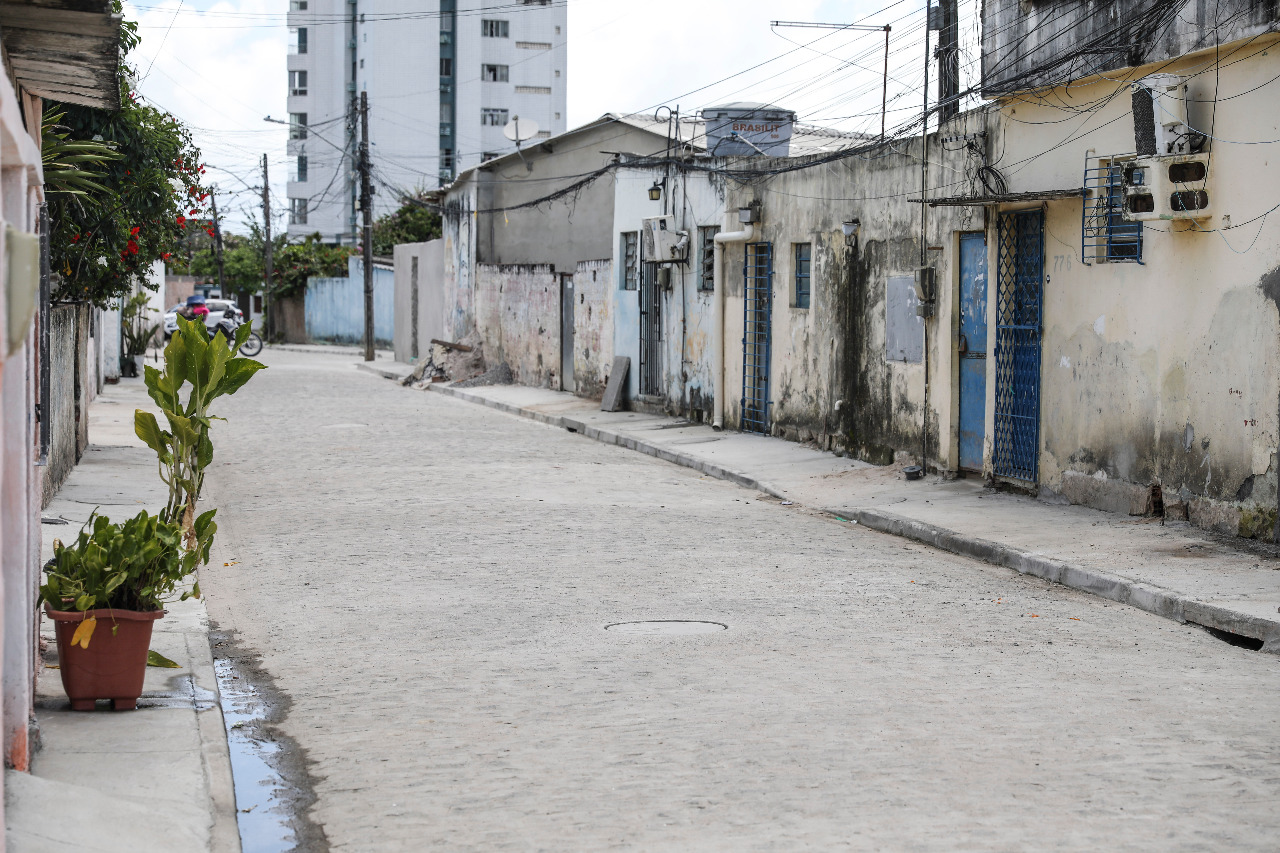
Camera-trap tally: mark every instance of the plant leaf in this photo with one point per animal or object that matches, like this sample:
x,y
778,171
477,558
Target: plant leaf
x,y
83,632
154,658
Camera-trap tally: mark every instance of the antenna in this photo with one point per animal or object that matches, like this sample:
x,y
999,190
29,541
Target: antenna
x,y
518,131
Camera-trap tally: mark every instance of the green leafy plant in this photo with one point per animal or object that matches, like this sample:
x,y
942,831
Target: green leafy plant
x,y
138,333
64,159
137,565
197,370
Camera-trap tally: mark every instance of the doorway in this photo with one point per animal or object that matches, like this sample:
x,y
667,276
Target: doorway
x,y
1019,324
650,331
972,350
566,332
757,333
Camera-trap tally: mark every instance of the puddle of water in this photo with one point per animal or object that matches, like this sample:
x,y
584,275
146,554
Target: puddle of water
x,y
667,627
261,794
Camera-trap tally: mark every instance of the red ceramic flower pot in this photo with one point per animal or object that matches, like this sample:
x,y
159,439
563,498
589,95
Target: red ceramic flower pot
x,y
115,663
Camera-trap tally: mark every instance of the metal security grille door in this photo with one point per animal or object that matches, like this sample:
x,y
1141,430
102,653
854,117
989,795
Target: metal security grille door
x,y
757,323
973,350
1019,311
650,331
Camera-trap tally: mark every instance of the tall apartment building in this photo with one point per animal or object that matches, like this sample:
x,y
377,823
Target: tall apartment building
x,y
443,78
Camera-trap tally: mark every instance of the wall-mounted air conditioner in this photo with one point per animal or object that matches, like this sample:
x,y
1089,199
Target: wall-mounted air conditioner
x,y
1160,123
662,243
1167,188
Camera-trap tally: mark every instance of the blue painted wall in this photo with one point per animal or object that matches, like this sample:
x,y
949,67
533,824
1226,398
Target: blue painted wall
x,y
335,306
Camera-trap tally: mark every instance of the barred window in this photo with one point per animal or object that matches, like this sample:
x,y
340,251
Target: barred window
x,y
630,260
494,73
707,257
493,117
495,29
803,253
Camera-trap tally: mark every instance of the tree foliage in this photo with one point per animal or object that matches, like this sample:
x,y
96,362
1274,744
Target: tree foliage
x,y
412,223
135,209
297,262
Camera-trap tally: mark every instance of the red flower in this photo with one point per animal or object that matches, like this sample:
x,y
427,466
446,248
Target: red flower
x,y
133,248
209,231
134,232
75,239
164,256
182,220
193,212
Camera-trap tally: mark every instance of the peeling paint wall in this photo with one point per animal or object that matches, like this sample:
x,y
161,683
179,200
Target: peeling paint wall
x,y
830,382
518,319
1165,373
695,200
335,306
592,327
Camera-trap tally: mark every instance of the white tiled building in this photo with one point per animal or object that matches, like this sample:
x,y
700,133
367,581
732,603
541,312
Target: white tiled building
x,y
443,78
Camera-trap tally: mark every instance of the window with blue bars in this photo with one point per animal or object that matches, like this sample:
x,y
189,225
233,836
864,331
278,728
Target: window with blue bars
x,y
803,256
1106,235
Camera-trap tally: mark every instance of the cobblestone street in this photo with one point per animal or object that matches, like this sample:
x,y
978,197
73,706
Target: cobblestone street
x,y
428,583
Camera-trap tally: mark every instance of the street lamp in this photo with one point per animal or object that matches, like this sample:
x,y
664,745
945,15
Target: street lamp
x,y
655,192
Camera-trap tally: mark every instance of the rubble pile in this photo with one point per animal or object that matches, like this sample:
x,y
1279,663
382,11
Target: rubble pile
x,y
448,361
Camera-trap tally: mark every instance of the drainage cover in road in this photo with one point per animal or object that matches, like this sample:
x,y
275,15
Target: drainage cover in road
x,y
666,626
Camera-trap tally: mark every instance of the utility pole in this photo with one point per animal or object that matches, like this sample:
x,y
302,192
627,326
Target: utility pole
x,y
267,248
366,211
948,54
217,244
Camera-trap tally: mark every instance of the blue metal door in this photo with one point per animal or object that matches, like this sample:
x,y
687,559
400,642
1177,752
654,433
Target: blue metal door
x,y
1019,314
973,349
757,325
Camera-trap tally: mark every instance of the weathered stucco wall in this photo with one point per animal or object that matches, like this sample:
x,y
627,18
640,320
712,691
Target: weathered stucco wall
x,y
561,233
64,390
458,233
1027,44
696,200
832,382
518,320
419,298
1165,373
592,327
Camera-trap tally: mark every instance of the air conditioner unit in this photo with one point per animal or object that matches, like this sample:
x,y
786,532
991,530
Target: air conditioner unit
x,y
662,243
1167,188
1160,124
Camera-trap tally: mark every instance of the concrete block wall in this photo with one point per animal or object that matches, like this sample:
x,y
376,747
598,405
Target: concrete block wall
x,y
517,311
592,327
419,313
335,306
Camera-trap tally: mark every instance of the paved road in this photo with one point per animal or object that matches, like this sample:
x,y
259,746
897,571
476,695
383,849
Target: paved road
x,y
427,582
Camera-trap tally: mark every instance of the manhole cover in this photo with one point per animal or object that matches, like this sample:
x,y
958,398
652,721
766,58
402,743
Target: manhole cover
x,y
666,626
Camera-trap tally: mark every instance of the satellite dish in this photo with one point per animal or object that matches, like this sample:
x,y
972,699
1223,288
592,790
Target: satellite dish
x,y
520,129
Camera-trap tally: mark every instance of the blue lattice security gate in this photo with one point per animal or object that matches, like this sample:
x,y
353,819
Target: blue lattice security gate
x,y
757,323
1019,312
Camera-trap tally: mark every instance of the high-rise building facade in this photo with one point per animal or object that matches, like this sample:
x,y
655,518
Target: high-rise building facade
x,y
442,77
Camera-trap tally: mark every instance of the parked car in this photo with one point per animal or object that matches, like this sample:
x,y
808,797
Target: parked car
x,y
217,316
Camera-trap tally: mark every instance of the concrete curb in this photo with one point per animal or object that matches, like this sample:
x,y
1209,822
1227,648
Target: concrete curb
x,y
384,372
1153,599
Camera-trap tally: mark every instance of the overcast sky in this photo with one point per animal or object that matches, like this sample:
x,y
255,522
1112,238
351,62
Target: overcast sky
x,y
220,67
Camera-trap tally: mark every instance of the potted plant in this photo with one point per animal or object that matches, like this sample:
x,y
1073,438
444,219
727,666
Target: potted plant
x,y
138,333
105,591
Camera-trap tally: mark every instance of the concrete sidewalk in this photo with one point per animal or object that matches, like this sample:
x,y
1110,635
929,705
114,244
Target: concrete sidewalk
x,y
158,778
1176,571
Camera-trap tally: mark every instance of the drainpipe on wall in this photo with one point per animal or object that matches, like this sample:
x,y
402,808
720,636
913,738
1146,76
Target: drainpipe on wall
x,y
717,346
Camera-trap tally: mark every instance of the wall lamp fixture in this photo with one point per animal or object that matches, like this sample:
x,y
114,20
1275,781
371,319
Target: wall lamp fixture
x,y
655,191
850,229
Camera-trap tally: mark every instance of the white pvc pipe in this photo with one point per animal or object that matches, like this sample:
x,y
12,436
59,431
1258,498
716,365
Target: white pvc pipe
x,y
717,344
